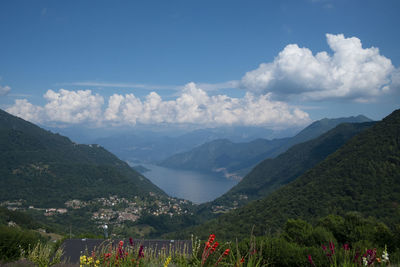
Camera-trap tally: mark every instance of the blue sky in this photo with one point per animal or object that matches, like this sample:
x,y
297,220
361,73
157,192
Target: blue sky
x,y
118,63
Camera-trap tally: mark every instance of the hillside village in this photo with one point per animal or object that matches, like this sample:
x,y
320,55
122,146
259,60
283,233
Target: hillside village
x,y
112,210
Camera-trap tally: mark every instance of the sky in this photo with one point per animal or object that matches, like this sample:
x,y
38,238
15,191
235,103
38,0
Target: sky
x,y
209,63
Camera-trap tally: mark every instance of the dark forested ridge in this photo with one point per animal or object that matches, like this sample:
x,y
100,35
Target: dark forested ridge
x,y
316,129
43,168
271,174
362,176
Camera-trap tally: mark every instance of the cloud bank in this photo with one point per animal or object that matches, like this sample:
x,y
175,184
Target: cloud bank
x,y
192,106
351,72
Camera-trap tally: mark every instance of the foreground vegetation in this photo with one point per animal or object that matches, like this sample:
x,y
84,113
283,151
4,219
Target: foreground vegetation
x,y
334,241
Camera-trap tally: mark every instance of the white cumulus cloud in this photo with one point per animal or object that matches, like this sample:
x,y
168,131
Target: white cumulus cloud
x,y
73,106
351,72
4,90
192,106
195,106
63,106
23,109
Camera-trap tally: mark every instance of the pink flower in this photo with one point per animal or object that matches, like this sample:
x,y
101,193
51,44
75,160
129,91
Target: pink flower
x,y
141,253
310,260
332,247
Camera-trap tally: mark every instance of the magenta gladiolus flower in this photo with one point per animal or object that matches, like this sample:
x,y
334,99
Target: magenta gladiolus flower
x,y
332,247
141,253
310,260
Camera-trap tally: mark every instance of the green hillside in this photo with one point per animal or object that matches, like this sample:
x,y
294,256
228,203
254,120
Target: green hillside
x,y
271,174
363,176
237,159
316,129
46,169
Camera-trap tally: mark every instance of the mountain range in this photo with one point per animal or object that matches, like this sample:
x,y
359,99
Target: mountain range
x,y
235,160
149,145
270,174
361,176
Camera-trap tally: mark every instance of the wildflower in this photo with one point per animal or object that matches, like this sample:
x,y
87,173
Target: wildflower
x,y
107,256
226,252
357,257
346,247
214,247
167,261
121,243
131,241
242,260
385,255
141,253
365,262
310,260
370,256
211,238
332,247
323,247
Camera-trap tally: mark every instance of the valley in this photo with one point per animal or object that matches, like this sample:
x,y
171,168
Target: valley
x,y
161,202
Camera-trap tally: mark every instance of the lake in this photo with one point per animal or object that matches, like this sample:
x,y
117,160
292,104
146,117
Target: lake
x,y
195,186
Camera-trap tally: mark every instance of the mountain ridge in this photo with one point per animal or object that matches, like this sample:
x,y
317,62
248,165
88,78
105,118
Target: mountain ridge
x,y
362,176
240,158
37,165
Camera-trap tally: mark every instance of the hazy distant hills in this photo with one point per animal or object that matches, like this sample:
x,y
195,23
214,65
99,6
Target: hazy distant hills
x,y
237,159
150,146
224,156
363,176
47,169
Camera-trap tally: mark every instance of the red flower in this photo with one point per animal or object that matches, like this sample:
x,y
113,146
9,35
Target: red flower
x,y
214,247
131,241
310,260
211,238
346,247
226,252
121,243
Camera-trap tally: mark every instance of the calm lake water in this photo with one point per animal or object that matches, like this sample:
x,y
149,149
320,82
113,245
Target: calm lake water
x,y
191,185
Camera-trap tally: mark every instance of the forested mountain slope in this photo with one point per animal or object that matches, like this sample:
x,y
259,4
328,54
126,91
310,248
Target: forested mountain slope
x,y
363,176
44,169
271,174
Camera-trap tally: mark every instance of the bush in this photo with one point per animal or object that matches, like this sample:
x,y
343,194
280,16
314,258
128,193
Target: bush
x,y
14,240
